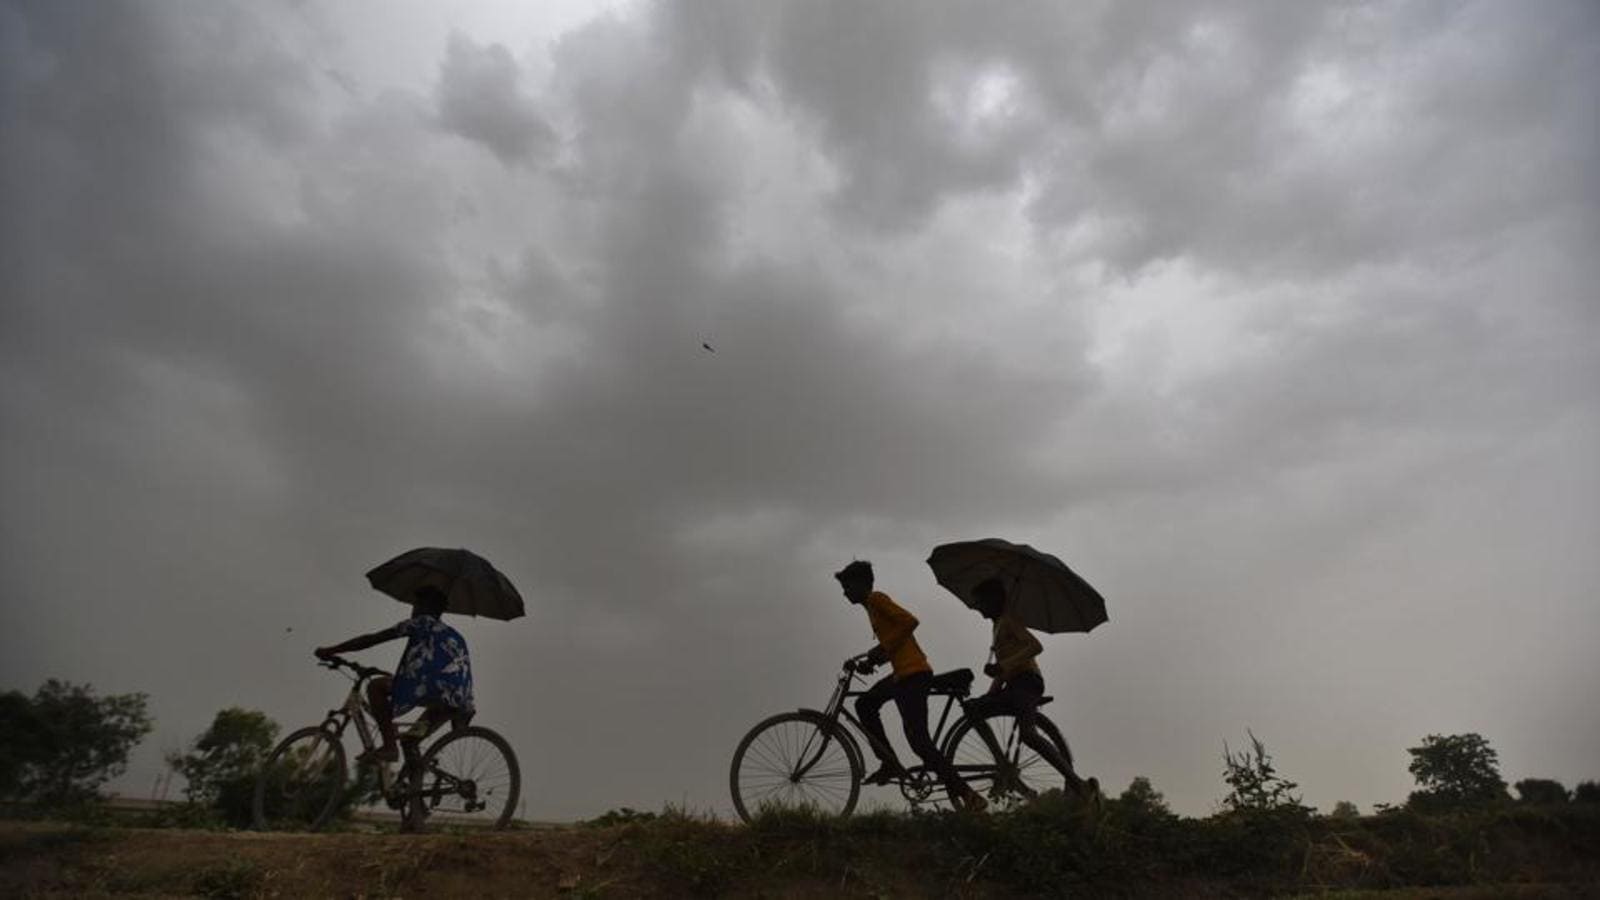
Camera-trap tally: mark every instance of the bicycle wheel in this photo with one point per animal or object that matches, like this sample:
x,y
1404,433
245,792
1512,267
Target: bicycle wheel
x,y
990,755
795,760
468,777
302,781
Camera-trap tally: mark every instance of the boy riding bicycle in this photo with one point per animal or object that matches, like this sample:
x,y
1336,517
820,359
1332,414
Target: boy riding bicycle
x,y
1018,685
435,672
907,685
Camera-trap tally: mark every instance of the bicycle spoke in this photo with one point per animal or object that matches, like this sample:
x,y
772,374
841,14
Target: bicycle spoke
x,y
468,779
792,762
770,759
992,756
300,783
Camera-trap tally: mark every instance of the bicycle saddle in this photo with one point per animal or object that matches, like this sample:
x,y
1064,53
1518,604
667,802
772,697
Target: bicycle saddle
x,y
955,681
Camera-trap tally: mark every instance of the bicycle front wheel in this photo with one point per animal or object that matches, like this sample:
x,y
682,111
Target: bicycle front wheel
x,y
469,777
795,760
301,783
989,753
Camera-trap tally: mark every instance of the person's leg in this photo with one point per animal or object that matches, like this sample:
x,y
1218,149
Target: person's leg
x,y
432,718
867,709
1048,750
1022,696
379,691
911,696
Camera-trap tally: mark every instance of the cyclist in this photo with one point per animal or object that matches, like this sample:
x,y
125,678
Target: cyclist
x,y
1018,685
435,672
907,685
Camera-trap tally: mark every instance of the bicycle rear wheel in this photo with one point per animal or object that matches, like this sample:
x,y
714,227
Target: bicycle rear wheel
x,y
301,783
990,755
468,778
795,760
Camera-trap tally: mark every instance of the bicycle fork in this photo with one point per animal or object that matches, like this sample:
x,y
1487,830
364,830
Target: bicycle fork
x,y
804,765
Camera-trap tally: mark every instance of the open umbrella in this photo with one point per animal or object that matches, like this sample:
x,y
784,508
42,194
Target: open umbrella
x,y
1042,592
471,585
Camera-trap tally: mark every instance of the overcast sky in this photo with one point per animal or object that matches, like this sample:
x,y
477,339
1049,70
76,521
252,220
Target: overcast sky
x,y
1277,321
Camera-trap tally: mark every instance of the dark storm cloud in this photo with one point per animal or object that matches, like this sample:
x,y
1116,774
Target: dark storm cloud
x,y
1228,303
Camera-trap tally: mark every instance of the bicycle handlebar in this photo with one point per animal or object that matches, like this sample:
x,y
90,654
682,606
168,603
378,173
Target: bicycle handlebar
x,y
851,663
339,662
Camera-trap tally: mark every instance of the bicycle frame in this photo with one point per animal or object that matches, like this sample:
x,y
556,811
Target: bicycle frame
x,y
355,710
836,710
794,757
1007,748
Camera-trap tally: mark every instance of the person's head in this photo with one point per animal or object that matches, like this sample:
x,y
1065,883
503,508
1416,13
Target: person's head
x,y
428,601
989,598
856,579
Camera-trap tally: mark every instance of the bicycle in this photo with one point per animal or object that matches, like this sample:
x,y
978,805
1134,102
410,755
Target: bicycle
x,y
811,759
468,777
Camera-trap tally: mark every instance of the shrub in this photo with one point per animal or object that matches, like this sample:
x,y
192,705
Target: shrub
x,y
1345,811
626,815
222,763
1541,791
1255,782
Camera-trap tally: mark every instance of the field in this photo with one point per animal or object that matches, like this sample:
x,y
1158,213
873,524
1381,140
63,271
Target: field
x,y
1048,851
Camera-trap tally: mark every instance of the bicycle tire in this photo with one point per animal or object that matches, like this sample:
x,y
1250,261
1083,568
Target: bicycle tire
x,y
277,804
776,747
999,765
458,778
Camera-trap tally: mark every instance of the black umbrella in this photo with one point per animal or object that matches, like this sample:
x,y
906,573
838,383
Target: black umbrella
x,y
471,585
1041,591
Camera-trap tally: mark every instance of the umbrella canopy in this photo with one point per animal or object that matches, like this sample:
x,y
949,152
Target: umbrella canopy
x,y
1041,591
471,585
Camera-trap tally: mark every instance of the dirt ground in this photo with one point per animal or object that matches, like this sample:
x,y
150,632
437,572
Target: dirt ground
x,y
58,861
54,860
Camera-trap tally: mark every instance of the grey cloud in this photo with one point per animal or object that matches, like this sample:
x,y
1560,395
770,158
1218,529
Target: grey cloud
x,y
1116,111
261,332
480,99
889,88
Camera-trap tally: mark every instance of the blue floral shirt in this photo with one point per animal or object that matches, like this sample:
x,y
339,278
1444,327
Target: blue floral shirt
x,y
434,669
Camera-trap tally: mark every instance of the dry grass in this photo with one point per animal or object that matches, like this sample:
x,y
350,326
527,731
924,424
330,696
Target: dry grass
x,y
1043,851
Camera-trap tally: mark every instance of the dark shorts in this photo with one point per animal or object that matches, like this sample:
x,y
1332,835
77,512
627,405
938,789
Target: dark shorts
x,y
1020,695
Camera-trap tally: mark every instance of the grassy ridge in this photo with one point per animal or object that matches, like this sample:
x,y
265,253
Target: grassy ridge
x,y
1051,848
1058,847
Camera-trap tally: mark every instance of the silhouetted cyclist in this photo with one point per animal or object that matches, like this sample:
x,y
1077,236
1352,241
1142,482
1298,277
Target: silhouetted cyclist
x,y
907,685
1018,684
435,672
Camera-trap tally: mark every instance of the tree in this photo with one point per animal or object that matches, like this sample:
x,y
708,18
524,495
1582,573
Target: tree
x,y
1586,792
1344,810
1256,784
1142,798
18,741
1541,791
59,746
1455,770
221,764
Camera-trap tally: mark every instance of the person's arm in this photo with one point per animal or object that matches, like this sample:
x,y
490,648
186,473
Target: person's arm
x,y
870,660
360,642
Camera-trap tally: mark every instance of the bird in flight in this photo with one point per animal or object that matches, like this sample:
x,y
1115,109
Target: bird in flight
x,y
708,347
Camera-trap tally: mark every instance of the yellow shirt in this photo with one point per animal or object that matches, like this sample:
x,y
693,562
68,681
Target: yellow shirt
x,y
893,626
1014,647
